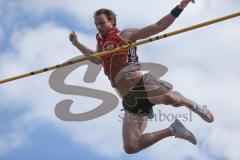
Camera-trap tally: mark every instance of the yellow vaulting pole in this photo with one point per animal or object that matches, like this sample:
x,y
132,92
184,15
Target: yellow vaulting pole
x,y
123,47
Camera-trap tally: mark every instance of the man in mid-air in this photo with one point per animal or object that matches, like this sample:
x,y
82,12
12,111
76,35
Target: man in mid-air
x,y
135,88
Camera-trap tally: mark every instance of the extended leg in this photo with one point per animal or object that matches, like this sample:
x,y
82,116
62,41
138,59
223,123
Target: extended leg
x,y
134,140
176,99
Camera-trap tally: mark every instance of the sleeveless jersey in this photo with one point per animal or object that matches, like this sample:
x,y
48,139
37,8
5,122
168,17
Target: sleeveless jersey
x,y
113,63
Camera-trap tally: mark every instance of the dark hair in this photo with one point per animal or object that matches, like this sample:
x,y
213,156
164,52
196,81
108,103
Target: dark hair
x,y
109,13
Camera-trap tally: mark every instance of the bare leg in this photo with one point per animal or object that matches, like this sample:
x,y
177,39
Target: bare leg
x,y
149,139
172,98
175,99
133,138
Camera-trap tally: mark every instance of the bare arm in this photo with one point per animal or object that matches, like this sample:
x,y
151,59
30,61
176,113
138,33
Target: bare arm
x,y
136,34
85,50
161,25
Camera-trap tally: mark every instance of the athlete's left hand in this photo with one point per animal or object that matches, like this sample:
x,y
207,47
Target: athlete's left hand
x,y
184,3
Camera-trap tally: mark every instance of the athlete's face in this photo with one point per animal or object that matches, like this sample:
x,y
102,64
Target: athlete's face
x,y
103,24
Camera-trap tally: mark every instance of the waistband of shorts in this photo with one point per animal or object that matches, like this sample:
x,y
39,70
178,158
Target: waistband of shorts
x,y
127,69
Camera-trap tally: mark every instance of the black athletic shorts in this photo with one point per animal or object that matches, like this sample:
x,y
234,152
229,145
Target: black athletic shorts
x,y
136,101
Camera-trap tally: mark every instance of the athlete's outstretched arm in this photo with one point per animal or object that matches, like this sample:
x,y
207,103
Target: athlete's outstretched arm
x,y
161,25
85,50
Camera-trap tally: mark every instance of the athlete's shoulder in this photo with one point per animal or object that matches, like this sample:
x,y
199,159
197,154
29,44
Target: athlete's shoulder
x,y
127,33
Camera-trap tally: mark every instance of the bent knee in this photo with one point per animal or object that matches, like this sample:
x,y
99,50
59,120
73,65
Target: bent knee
x,y
130,149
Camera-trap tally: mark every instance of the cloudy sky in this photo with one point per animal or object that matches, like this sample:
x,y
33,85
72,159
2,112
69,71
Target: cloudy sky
x,y
202,64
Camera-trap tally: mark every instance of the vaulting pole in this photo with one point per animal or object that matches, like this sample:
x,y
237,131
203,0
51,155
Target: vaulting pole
x,y
122,47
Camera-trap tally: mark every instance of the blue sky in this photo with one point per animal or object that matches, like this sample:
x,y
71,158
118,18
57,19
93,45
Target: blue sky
x,y
203,65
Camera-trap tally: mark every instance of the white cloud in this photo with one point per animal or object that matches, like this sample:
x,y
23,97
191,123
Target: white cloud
x,y
203,65
221,141
10,141
15,133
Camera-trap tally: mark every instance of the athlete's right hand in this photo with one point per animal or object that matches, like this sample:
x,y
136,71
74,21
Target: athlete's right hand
x,y
73,38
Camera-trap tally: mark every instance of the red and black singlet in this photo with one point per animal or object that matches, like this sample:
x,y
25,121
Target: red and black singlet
x,y
113,63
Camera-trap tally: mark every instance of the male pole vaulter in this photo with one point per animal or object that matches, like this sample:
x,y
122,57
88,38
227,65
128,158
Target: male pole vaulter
x,y
123,71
